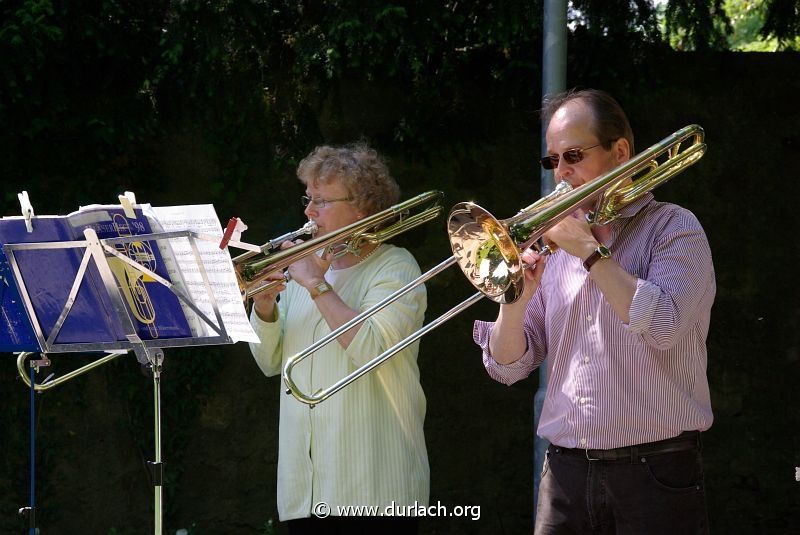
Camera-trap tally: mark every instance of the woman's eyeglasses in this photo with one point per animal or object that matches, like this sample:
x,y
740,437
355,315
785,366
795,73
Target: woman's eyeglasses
x,y
320,203
571,156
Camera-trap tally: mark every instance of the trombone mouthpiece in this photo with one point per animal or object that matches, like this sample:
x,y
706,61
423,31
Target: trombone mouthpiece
x,y
309,228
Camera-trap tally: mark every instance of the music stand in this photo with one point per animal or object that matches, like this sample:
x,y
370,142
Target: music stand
x,y
95,268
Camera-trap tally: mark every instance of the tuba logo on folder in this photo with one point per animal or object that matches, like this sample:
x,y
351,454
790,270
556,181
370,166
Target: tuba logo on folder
x,y
133,282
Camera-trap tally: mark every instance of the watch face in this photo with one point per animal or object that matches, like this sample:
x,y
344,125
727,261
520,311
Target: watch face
x,y
320,289
604,251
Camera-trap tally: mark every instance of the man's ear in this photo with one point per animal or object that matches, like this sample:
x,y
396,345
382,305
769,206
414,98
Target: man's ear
x,y
622,150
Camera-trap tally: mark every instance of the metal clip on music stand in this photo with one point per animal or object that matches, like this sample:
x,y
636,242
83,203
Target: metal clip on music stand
x,y
148,351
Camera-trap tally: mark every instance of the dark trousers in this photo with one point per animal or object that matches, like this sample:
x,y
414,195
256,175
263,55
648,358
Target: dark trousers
x,y
354,525
628,492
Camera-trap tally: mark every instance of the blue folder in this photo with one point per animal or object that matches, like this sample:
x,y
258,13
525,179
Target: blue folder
x,y
48,276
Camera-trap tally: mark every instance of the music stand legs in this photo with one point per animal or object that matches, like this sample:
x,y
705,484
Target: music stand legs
x,y
157,466
30,511
155,361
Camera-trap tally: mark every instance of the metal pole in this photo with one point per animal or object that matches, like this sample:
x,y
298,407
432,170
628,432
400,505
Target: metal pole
x,y
156,360
32,519
554,80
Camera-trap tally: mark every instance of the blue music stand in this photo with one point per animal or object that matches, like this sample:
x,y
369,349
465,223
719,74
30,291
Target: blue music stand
x,y
87,295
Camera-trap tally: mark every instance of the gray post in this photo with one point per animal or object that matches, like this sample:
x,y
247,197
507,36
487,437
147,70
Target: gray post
x,y
554,80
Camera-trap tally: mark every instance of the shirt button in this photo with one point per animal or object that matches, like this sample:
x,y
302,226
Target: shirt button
x,y
586,359
583,400
589,317
583,442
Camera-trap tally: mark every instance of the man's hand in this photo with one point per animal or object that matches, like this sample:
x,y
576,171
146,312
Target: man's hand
x,y
574,235
533,273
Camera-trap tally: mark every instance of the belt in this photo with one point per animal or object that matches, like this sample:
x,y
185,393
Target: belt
x,y
687,440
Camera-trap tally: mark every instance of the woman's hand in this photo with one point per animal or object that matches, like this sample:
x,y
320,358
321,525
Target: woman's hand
x,y
308,271
264,302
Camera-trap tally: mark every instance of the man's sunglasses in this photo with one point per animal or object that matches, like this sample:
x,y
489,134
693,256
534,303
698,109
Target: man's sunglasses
x,y
571,156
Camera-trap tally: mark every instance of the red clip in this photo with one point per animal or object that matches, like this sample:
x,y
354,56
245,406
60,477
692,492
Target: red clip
x,y
228,234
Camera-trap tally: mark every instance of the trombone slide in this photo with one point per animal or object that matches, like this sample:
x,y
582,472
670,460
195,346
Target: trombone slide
x,y
476,237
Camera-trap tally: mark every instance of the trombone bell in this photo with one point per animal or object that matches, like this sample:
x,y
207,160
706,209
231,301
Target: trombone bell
x,y
486,253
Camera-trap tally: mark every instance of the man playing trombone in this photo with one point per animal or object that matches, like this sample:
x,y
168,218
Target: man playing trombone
x,y
621,313
365,445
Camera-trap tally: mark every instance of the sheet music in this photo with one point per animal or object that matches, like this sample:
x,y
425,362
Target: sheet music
x,y
182,266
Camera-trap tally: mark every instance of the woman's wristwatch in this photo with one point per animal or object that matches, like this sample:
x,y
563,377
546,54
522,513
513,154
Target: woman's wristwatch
x,y
319,289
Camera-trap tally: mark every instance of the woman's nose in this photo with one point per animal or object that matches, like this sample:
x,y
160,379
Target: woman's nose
x,y
310,210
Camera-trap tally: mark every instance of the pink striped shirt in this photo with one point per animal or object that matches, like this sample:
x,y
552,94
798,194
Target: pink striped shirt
x,y
612,384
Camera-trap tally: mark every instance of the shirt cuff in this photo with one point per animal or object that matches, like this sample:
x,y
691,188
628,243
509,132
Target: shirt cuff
x,y
504,373
643,306
267,328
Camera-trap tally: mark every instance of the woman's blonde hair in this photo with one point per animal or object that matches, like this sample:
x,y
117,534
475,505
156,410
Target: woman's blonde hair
x,y
359,168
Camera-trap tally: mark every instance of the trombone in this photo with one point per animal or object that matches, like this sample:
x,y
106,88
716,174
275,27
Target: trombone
x,y
488,250
252,273
49,381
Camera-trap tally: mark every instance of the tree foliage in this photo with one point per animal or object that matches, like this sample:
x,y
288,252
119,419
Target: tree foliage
x,y
782,21
698,25
618,20
90,90
70,99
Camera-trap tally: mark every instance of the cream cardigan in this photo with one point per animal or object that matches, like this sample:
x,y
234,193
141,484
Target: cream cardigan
x,y
365,444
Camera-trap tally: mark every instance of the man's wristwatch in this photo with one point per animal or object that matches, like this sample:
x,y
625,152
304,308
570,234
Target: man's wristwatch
x,y
319,289
601,252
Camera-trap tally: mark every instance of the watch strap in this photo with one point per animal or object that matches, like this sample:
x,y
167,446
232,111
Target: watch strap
x,y
601,252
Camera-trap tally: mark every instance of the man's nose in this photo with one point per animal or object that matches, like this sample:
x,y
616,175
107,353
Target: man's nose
x,y
562,170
